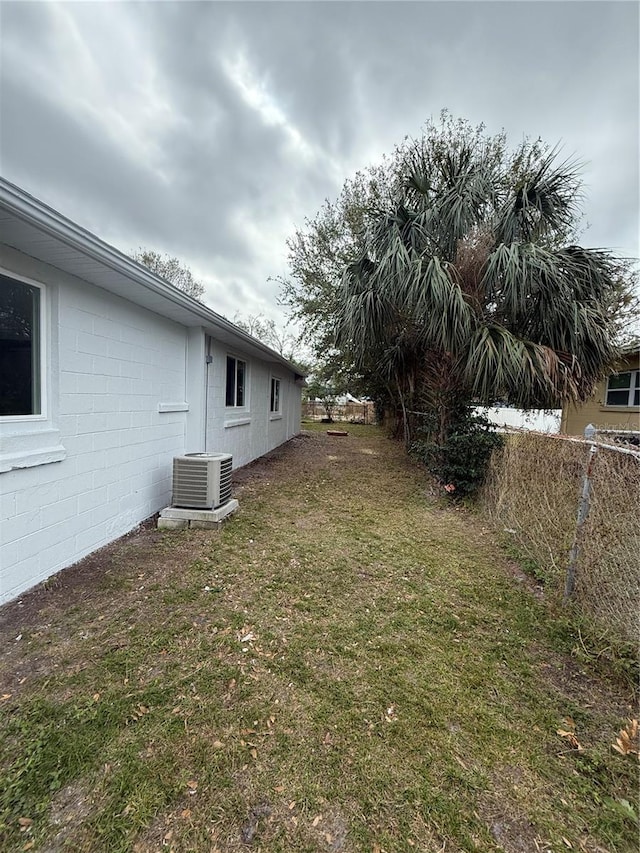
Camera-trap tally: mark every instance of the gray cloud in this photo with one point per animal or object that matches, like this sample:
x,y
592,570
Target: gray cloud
x,y
210,130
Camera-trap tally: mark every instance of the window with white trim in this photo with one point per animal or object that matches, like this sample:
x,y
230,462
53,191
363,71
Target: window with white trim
x,y
274,404
623,389
21,372
236,393
28,388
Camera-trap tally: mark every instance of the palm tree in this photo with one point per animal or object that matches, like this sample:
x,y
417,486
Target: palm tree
x,y
470,287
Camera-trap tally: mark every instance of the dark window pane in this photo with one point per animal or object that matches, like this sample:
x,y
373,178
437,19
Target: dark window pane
x,y
231,381
240,383
19,348
275,395
620,380
618,398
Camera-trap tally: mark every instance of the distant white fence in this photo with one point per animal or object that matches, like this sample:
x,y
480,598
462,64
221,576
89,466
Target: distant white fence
x,y
536,420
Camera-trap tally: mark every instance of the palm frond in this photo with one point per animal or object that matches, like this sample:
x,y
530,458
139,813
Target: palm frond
x,y
542,202
498,364
442,314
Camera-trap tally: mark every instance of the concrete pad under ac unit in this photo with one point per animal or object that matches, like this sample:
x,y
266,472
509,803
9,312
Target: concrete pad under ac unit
x,y
173,518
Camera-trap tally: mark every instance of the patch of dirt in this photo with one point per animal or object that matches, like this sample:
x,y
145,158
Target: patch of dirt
x,y
75,583
312,445
525,580
331,832
575,684
69,808
257,812
39,631
163,833
513,832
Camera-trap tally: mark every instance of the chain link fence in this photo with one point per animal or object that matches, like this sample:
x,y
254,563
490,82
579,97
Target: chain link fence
x,y
534,490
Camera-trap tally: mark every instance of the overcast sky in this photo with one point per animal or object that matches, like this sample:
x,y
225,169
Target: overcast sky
x,y
210,130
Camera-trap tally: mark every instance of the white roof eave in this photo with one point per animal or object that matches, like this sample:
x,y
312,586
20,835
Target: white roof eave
x,y
27,214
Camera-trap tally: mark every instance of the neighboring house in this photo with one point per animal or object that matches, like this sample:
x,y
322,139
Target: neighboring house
x,y
615,403
106,373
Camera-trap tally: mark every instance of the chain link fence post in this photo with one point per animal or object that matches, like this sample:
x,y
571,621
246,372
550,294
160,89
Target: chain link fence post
x,y
583,512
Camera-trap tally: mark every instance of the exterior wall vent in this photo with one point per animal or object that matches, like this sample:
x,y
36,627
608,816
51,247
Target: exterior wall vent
x,y
202,480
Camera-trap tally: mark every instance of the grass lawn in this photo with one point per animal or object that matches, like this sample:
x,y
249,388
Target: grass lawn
x,y
346,666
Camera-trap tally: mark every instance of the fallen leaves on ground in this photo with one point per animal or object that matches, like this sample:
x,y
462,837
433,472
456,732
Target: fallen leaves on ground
x,y
569,734
627,742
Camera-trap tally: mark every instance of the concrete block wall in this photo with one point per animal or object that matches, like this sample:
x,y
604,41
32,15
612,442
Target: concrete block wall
x,y
115,363
250,431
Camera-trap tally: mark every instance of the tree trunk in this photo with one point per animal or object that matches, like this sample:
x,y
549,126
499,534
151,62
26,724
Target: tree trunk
x,y
405,423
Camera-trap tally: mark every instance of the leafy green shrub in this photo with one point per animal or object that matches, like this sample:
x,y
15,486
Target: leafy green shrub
x,y
460,463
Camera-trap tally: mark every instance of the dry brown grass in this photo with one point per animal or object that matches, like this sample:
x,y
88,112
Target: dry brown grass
x,y
532,492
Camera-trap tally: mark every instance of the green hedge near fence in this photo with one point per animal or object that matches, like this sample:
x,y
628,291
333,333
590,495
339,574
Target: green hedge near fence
x,y
532,493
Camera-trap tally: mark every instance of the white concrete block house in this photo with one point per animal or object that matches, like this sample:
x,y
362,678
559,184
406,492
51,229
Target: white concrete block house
x,y
106,373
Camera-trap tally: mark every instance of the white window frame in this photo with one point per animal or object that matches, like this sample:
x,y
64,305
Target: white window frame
x,y
275,394
245,403
635,376
30,440
43,348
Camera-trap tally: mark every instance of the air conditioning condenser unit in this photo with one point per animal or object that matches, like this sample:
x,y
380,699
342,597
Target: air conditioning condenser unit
x,y
201,480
